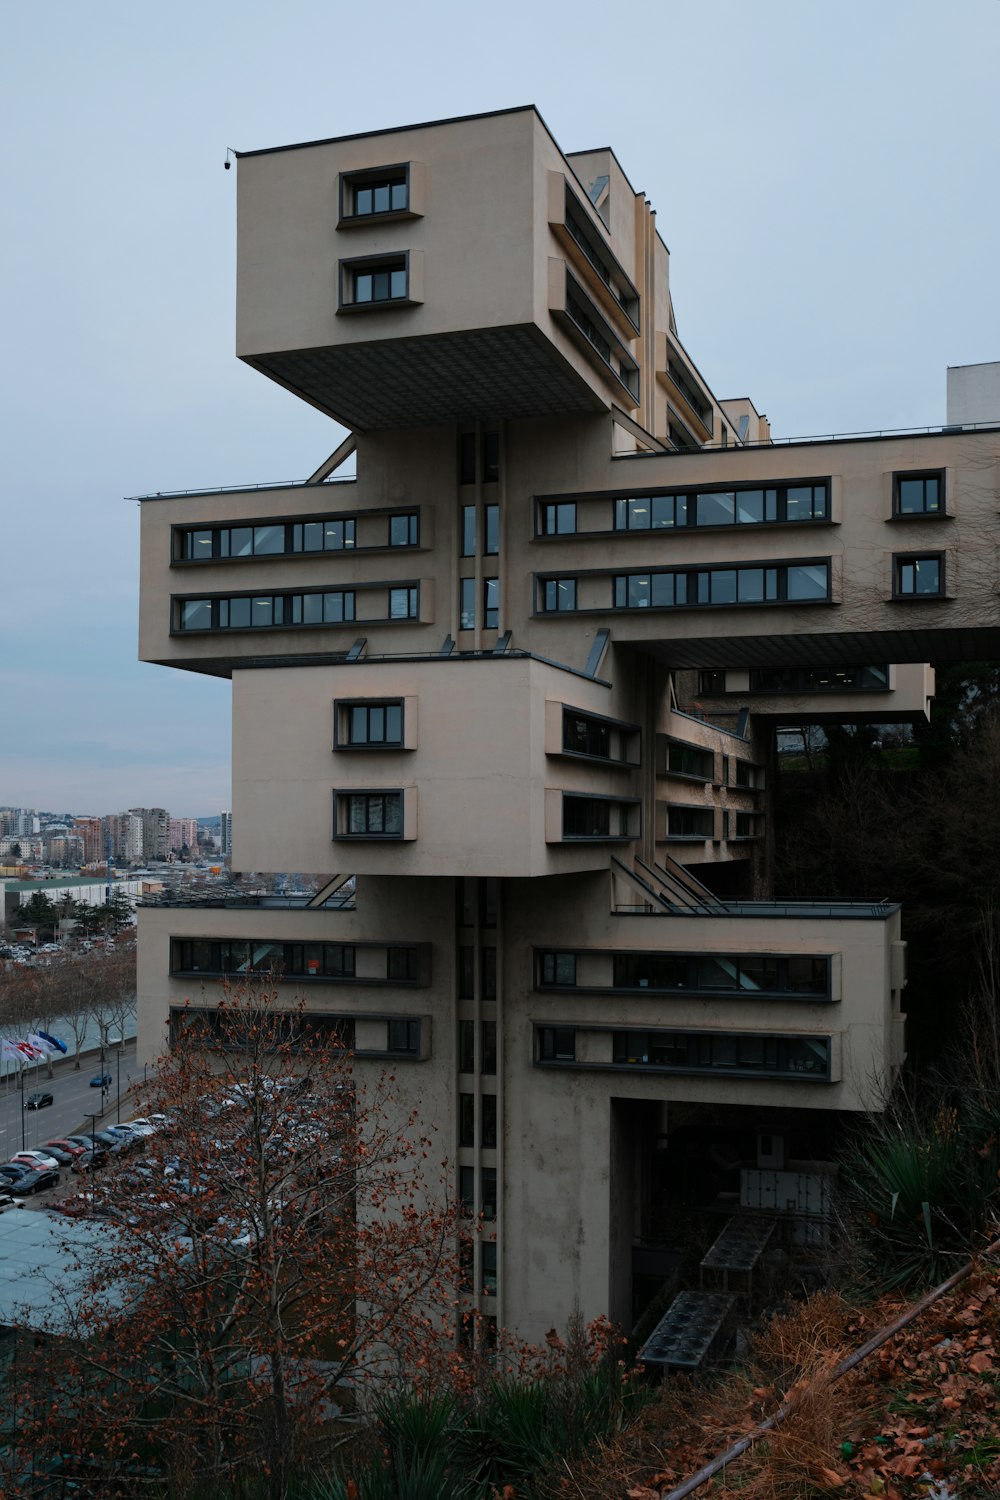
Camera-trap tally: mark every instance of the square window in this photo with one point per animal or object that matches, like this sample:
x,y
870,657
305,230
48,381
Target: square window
x,y
558,594
918,494
403,530
383,280
370,815
919,577
403,604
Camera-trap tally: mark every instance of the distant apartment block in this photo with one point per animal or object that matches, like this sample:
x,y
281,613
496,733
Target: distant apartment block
x,y
183,834
521,678
226,834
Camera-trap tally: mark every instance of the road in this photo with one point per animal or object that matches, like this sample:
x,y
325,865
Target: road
x,y
74,1100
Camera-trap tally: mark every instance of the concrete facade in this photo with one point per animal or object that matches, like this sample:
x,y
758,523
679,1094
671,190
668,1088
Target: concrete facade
x,y
521,677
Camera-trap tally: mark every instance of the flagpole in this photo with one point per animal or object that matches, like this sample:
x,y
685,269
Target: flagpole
x,y
20,1074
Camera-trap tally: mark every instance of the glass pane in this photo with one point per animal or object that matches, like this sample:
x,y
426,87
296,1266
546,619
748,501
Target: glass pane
x,y
466,1048
398,195
807,581
363,200
750,506
468,604
724,586
639,514
376,724
311,536
758,974
196,614
714,510
241,541
268,539
638,590
394,724
662,511
262,612
751,585
492,530
312,609
717,973
468,531
380,198
397,282
239,613
661,590
356,821
197,544
393,813
359,726
491,588
333,607
799,503
928,575
329,536
363,286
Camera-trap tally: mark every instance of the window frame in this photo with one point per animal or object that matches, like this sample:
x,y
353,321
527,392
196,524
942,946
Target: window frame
x,y
904,476
347,520
903,560
350,268
342,798
412,521
343,714
349,182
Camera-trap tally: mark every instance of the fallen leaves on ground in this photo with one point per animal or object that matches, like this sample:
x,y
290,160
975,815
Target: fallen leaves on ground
x,y
918,1420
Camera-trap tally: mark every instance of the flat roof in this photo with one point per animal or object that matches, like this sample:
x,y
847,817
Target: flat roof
x,y
361,135
44,1268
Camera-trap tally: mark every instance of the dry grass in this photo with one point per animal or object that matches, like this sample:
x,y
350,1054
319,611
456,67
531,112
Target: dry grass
x,y
690,1421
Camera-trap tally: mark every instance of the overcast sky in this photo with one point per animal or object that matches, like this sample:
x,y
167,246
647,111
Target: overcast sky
x,y
826,177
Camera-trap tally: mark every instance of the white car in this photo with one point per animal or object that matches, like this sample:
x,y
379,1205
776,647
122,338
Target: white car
x,y
37,1160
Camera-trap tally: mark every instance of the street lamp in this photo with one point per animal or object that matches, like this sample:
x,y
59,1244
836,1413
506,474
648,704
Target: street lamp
x,y
20,1074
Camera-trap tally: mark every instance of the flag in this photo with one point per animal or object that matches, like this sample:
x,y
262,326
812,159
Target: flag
x,y
11,1049
41,1045
27,1050
47,1037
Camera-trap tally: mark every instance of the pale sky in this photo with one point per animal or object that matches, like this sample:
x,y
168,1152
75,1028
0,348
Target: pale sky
x,y
826,177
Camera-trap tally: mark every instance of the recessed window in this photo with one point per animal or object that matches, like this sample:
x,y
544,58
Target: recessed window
x,y
745,1054
364,194
918,494
466,1119
489,1033
403,603
402,965
489,1118
559,518
484,450
468,531
404,530
918,576
690,823
466,1046
467,604
556,1043
491,603
269,539
265,611
379,724
583,735
384,278
558,594
873,679
491,545
555,968
767,505
403,1036
489,1283
689,760
599,817
678,588
374,815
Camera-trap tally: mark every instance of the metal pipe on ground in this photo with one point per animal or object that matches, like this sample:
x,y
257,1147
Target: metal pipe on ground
x,y
850,1362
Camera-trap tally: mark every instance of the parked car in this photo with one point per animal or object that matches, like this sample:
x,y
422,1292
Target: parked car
x,y
91,1143
37,1160
38,1101
62,1157
101,1081
34,1182
62,1143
